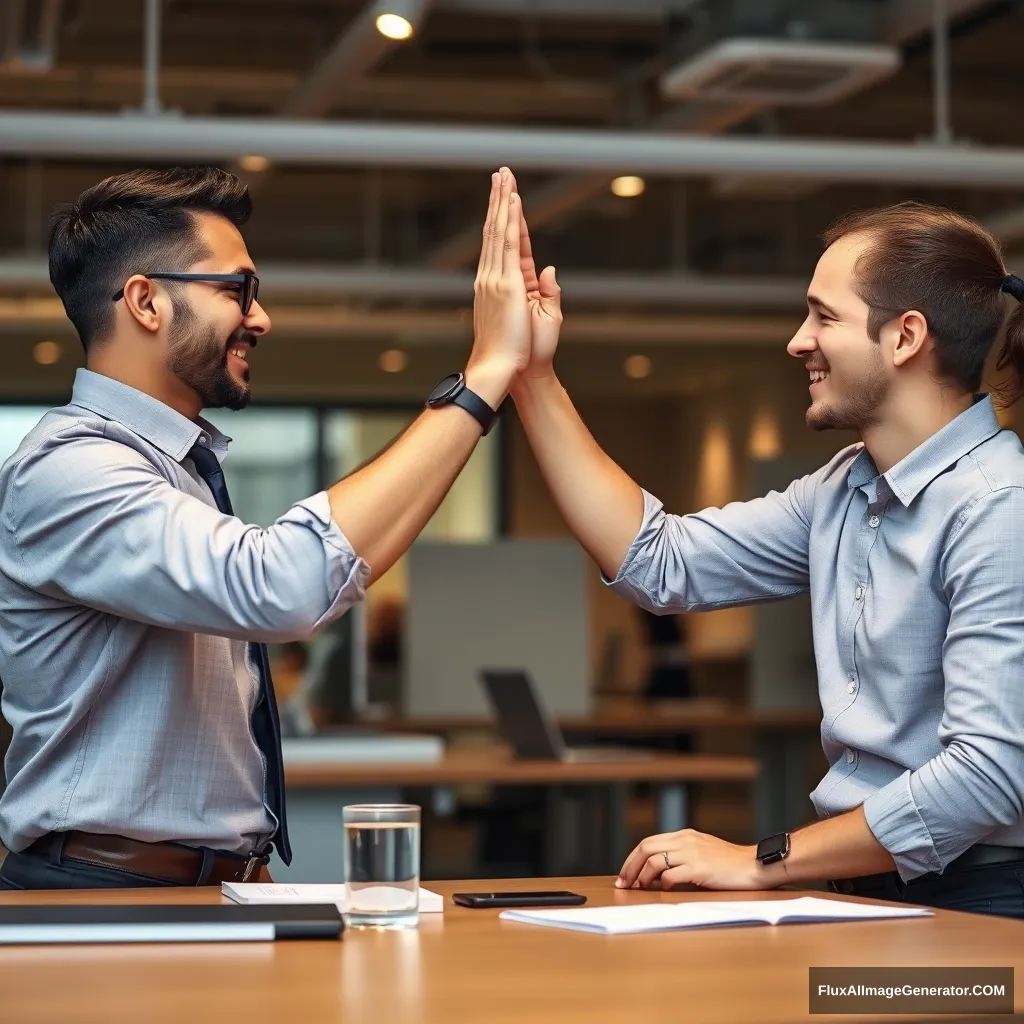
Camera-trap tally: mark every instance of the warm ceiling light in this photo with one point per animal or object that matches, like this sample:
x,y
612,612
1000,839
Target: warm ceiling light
x,y
628,186
254,164
637,367
46,353
394,26
393,361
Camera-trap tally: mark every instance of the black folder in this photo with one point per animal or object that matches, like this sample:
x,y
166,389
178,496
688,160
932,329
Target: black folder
x,y
159,922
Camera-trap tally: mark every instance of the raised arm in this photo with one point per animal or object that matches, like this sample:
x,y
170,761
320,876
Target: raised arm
x,y
384,506
742,553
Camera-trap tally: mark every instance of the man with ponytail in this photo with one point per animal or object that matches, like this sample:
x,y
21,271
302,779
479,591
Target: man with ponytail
x,y
911,544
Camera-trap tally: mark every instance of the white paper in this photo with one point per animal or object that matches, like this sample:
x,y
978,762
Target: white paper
x,y
266,892
652,917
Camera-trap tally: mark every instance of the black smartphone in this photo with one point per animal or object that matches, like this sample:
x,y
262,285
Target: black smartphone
x,y
548,898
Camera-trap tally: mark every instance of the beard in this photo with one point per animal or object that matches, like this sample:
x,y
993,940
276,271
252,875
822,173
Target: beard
x,y
858,411
198,357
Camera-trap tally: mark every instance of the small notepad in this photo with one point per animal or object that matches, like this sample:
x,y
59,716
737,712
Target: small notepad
x,y
309,892
656,917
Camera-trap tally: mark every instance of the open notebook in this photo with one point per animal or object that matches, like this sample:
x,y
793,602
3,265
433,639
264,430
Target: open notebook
x,y
311,892
655,917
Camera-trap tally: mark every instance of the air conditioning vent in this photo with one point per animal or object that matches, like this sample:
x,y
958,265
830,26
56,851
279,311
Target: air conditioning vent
x,y
779,72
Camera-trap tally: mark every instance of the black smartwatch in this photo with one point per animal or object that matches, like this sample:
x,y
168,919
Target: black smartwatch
x,y
453,391
773,849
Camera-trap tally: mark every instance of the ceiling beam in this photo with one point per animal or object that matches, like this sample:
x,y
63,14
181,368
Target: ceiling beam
x,y
44,317
322,282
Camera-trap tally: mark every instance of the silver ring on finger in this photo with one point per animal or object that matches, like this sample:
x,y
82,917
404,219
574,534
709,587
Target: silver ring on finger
x,y
664,854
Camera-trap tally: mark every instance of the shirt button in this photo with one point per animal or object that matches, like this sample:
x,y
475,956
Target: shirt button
x,y
851,688
873,522
849,756
859,592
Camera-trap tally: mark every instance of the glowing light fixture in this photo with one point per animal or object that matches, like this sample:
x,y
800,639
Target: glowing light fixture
x,y
46,353
394,26
628,186
254,164
637,367
394,360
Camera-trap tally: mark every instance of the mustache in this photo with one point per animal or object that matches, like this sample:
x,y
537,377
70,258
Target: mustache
x,y
245,337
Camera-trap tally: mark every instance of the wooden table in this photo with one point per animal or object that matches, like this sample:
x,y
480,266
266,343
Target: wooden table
x,y
466,966
317,792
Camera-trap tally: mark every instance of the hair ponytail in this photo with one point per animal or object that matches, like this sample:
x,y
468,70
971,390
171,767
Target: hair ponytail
x,y
1011,355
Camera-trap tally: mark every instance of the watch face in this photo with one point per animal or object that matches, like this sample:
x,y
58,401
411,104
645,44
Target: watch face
x,y
445,390
773,848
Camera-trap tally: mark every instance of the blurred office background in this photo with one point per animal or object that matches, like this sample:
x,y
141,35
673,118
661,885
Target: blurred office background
x,y
683,279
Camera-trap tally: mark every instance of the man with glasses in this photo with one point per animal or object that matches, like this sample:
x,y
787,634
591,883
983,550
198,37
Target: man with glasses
x,y
134,606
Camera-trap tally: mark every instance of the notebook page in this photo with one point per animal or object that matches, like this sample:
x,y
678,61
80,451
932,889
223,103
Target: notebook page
x,y
649,917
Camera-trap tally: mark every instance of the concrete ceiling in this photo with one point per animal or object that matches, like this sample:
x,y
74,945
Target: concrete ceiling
x,y
592,64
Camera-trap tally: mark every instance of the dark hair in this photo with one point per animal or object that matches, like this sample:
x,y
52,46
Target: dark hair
x,y
133,223
950,269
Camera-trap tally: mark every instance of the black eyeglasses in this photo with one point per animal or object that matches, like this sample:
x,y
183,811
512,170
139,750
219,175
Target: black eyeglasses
x,y
248,285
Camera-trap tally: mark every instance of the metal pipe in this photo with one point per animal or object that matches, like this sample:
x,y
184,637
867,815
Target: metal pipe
x,y
582,288
940,73
151,98
443,327
116,137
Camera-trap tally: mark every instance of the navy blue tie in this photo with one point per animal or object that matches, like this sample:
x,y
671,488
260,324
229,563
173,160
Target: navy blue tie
x,y
266,725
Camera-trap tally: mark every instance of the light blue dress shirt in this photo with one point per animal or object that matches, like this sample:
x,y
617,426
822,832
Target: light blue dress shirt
x,y
916,582
126,604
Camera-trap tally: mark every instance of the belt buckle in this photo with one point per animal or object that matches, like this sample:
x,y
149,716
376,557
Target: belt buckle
x,y
251,864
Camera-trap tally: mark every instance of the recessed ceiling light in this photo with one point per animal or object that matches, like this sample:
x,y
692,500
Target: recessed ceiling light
x,y
394,26
637,367
393,361
46,353
628,186
254,164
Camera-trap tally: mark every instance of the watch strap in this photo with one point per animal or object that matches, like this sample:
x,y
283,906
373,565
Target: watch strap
x,y
476,407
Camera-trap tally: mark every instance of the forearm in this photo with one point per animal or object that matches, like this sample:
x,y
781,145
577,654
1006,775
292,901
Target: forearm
x,y
384,506
839,847
600,503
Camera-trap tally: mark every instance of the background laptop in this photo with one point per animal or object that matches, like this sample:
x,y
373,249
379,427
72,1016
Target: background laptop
x,y
527,726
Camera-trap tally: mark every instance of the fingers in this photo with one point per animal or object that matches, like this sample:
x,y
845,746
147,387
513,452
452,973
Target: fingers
x,y
488,233
500,222
651,871
547,285
526,260
510,265
635,861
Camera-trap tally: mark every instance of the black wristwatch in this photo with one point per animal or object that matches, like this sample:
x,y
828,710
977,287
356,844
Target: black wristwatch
x,y
453,391
773,849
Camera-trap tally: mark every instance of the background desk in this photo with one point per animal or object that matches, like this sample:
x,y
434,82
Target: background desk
x,y
466,966
316,794
783,743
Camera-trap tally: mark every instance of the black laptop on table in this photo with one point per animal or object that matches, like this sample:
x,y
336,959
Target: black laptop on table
x,y
529,728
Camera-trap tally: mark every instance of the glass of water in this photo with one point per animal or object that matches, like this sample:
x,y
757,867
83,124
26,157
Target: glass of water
x,y
382,865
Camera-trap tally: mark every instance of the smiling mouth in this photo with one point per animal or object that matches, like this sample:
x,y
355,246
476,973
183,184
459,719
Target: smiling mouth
x,y
817,376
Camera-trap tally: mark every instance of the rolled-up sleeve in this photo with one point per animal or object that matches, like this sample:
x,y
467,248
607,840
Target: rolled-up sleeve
x,y
931,814
743,553
96,524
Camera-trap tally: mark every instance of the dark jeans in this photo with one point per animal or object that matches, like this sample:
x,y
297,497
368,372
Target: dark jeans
x,y
986,889
45,871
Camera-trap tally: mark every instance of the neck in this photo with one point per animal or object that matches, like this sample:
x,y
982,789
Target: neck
x,y
908,420
158,382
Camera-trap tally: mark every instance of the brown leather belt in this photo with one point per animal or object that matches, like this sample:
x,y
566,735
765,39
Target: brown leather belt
x,y
166,862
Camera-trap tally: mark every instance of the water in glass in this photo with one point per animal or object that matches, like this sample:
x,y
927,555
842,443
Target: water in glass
x,y
382,869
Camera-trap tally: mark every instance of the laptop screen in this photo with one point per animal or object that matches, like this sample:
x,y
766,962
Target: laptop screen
x,y
522,719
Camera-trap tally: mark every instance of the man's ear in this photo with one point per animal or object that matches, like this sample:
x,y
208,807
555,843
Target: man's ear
x,y
909,336
147,302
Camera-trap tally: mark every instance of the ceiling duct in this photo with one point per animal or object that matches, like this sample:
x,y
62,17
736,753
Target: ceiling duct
x,y
779,72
